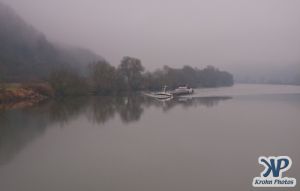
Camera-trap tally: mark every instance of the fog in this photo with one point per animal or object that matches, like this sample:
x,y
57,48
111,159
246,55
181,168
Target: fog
x,y
228,34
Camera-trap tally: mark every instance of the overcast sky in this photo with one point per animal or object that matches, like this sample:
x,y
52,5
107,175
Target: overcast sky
x,y
223,33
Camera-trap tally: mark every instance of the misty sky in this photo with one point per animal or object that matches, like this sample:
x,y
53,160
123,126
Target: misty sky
x,y
223,33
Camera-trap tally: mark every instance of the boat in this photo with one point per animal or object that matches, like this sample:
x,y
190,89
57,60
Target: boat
x,y
182,90
163,95
160,95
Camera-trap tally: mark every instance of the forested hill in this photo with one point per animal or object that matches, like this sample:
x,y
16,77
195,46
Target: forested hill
x,y
26,54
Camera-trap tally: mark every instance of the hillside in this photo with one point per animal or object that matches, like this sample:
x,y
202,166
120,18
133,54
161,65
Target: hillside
x,y
26,54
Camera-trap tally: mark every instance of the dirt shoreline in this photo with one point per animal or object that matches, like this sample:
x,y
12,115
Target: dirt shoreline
x,y
20,95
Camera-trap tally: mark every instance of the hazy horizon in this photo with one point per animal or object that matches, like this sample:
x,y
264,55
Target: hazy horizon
x,y
231,34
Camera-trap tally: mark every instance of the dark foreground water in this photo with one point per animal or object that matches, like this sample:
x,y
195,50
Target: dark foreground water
x,y
210,141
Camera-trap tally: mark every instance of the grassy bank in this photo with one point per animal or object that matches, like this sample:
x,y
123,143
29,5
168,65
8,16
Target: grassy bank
x,y
12,94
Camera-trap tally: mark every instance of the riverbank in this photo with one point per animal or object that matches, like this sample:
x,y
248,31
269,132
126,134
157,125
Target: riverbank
x,y
15,95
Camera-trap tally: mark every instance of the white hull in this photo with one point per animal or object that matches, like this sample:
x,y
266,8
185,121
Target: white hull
x,y
161,95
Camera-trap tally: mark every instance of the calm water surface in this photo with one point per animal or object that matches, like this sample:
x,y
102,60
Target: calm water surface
x,y
208,141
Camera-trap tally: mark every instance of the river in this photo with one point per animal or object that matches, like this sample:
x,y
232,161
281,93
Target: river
x,y
208,141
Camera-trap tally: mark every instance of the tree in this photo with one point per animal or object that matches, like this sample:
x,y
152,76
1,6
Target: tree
x,y
67,82
193,77
103,77
131,70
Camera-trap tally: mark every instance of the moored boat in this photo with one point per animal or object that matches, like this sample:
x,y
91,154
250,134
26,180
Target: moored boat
x,y
160,95
182,90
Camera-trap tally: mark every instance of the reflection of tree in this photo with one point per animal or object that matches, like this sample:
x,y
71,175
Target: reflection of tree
x,y
103,109
132,109
184,102
195,101
21,126
63,110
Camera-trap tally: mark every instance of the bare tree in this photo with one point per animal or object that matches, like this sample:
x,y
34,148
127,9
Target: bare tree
x,y
131,69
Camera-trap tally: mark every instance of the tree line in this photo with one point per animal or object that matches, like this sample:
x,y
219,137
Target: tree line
x,y
130,76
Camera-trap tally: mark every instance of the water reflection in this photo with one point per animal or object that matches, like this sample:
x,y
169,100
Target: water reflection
x,y
129,109
21,126
192,102
63,110
18,128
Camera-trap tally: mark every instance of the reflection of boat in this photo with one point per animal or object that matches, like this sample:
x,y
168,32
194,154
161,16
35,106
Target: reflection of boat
x,y
164,100
184,99
182,90
160,95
